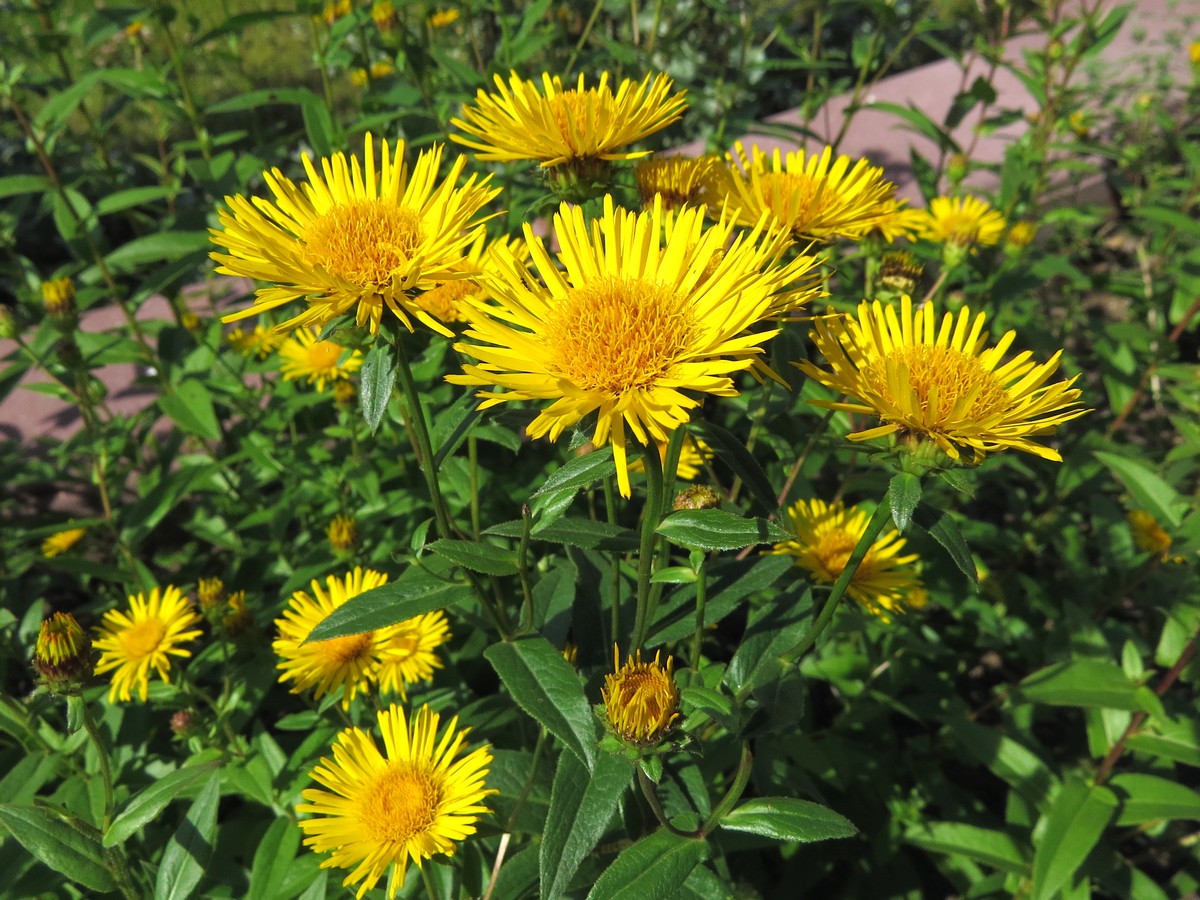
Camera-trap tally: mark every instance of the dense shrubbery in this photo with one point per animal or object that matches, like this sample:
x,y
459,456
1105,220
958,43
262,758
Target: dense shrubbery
x,y
473,462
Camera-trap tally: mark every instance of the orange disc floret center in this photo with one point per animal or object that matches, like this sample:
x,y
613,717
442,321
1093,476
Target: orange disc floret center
x,y
942,375
833,551
400,804
645,691
617,334
142,639
443,300
572,112
343,650
786,193
363,241
323,356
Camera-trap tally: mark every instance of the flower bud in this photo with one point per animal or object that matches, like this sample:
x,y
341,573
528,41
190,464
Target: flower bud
x,y
641,700
63,655
698,496
58,295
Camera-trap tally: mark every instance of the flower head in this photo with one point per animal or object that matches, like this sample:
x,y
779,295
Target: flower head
x,y
62,541
360,77
448,302
558,125
58,295
1194,53
679,180
342,533
63,654
885,583
144,638
940,383
1021,234
1150,536
237,619
960,221
443,17
319,361
260,342
348,664
210,592
374,812
650,306
641,700
814,197
900,271
354,237
407,655
383,13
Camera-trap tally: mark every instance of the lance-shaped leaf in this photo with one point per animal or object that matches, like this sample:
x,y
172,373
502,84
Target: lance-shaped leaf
x,y
787,819
716,529
652,869
548,688
64,849
414,593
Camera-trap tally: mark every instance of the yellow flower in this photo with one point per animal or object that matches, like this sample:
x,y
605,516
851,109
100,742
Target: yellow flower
x,y
814,197
344,392
320,361
961,221
63,654
260,342
1194,52
894,221
210,592
360,77
237,618
58,295
650,306
939,382
641,700
342,533
62,541
1150,536
559,125
144,638
376,811
407,655
678,179
886,583
334,10
383,12
900,271
443,17
349,663
1021,234
355,237
692,456
448,302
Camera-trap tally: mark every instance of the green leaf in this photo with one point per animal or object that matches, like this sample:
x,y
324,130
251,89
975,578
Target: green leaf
x,y
138,196
943,529
768,636
1172,740
318,124
546,686
652,869
190,407
1148,490
275,855
575,532
158,247
51,840
904,494
1073,825
378,378
996,849
519,875
477,556
1012,762
412,594
1083,682
1148,798
580,472
787,819
716,529
582,803
14,185
152,800
731,451
190,848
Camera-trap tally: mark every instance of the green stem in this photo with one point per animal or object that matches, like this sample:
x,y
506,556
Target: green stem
x,y
473,475
650,517
416,419
647,787
883,512
701,599
740,779
523,569
610,502
587,32
89,725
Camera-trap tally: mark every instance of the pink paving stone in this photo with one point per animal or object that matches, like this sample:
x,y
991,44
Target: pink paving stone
x,y
879,136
